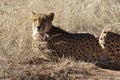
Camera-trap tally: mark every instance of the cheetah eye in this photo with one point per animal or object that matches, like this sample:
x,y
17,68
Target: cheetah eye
x,y
105,32
34,19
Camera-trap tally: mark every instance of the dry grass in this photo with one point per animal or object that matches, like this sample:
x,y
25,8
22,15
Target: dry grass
x,y
73,16
36,68
64,70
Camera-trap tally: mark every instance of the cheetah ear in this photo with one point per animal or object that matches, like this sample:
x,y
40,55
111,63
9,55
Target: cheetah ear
x,y
33,13
51,16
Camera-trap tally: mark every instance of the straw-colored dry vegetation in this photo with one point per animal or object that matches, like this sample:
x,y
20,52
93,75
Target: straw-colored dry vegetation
x,y
17,62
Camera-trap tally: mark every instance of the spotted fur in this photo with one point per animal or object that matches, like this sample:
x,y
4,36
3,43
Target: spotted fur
x,y
82,46
110,41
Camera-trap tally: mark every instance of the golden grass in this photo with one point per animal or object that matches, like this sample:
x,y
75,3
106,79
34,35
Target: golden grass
x,y
73,16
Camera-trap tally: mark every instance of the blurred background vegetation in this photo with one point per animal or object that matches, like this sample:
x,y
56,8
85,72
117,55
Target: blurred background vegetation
x,y
73,16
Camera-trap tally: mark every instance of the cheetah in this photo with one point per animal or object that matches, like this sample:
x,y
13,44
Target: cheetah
x,y
110,41
82,46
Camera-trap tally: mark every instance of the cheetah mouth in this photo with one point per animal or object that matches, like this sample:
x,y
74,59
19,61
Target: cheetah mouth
x,y
41,28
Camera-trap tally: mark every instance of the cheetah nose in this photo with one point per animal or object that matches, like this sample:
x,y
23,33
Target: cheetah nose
x,y
40,27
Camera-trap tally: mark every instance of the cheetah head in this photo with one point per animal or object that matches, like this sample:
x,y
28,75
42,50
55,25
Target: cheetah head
x,y
42,23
